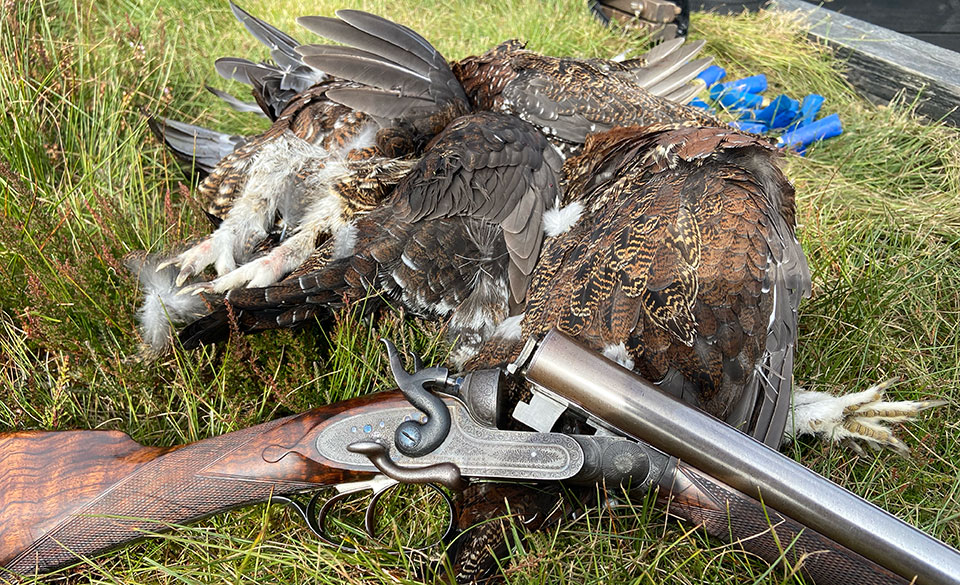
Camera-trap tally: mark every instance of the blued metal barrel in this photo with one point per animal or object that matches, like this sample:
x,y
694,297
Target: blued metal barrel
x,y
636,407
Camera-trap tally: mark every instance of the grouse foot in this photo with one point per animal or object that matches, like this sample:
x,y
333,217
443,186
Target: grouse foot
x,y
193,261
270,268
852,419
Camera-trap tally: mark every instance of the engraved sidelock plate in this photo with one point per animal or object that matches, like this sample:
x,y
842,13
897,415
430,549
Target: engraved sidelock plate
x,y
477,450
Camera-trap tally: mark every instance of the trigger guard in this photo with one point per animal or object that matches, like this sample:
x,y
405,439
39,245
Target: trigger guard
x,y
321,521
316,522
370,517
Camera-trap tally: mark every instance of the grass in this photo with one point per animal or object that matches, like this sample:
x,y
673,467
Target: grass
x,y
82,183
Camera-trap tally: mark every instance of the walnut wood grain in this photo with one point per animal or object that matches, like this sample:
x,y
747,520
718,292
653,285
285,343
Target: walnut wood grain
x,y
81,493
35,494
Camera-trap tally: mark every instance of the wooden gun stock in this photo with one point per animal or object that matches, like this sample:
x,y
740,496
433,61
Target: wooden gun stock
x,y
65,495
734,517
81,493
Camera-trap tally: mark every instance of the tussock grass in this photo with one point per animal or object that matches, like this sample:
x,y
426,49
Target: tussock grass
x,y
82,183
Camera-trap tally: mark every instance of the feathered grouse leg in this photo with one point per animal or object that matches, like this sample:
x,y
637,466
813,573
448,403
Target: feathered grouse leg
x,y
684,266
384,59
318,166
640,204
291,168
457,240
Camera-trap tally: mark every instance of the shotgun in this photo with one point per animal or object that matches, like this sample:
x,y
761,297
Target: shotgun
x,y
67,495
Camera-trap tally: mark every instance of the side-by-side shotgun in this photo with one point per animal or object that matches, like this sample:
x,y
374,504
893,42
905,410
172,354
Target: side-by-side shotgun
x,y
75,494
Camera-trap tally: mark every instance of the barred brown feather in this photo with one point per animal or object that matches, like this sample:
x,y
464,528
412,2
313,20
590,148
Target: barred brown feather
x,y
567,98
686,241
484,514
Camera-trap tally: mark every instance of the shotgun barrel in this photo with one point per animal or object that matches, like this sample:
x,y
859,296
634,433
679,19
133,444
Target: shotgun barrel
x,y
620,398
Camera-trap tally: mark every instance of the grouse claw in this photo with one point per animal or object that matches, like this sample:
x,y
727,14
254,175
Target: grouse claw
x,y
855,419
166,263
